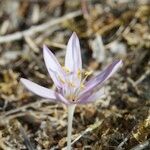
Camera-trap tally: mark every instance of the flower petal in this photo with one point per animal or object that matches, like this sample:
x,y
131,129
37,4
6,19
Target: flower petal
x,y
53,67
73,59
91,97
102,77
37,89
42,91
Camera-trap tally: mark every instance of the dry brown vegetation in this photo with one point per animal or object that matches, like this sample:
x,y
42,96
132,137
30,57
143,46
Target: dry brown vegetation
x,y
120,121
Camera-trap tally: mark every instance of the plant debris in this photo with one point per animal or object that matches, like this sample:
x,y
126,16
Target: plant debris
x,y
107,30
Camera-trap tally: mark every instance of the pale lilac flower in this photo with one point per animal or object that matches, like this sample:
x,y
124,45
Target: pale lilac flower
x,y
71,88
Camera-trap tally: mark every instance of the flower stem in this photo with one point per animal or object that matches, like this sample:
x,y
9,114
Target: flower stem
x,y
71,109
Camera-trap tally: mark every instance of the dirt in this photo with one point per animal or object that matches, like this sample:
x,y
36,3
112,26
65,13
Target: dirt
x,y
107,30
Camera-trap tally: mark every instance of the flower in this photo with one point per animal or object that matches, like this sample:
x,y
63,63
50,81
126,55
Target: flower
x,y
71,88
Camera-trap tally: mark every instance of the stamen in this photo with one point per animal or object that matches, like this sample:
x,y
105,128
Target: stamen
x,y
61,79
79,73
77,91
82,86
88,73
71,84
66,69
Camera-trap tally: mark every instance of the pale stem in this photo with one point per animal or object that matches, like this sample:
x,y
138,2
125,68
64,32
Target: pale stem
x,y
71,109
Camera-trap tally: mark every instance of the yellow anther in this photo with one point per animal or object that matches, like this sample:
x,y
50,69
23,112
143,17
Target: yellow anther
x,y
82,86
66,69
79,73
61,79
87,73
71,84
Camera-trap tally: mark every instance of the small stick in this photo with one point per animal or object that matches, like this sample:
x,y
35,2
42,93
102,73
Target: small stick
x,y
143,146
32,44
23,108
122,143
26,139
39,28
89,129
142,77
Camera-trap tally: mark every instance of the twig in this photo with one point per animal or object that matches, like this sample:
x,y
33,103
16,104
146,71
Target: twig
x,y
122,143
45,34
143,146
89,129
133,85
26,139
32,44
8,118
142,77
23,108
57,45
128,28
39,28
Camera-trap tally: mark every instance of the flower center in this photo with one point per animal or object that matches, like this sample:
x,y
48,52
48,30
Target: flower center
x,y
71,89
